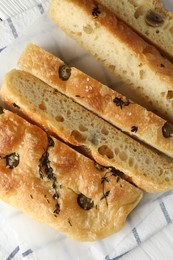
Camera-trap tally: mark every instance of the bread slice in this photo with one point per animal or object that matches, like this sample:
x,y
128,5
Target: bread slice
x,y
149,18
105,102
58,186
61,116
120,49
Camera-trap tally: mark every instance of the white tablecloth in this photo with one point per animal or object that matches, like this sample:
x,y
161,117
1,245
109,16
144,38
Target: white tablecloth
x,y
158,246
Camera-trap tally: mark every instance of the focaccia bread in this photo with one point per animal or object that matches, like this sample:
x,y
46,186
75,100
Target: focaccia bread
x,y
141,66
57,186
100,99
61,116
149,18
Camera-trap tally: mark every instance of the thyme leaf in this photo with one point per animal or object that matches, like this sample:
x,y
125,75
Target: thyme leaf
x,y
96,11
134,129
120,102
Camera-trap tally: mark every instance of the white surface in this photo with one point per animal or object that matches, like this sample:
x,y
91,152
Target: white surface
x,y
47,243
9,8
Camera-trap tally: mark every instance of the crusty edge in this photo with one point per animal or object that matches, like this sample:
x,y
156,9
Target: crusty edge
x,y
24,188
150,65
94,138
98,98
136,20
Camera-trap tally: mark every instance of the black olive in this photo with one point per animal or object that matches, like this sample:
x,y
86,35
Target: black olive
x,y
167,130
64,72
12,160
84,202
154,19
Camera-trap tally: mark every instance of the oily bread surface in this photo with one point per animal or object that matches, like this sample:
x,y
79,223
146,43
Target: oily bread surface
x,y
61,116
50,176
100,99
119,48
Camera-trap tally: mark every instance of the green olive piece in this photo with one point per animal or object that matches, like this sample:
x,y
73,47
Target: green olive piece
x,y
167,130
12,160
154,19
84,202
64,72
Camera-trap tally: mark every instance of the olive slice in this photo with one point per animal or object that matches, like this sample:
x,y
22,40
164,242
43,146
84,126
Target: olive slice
x,y
154,19
64,72
12,160
84,202
167,130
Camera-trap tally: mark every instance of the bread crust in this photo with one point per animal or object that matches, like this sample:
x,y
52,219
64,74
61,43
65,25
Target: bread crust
x,y
64,118
136,62
98,98
30,187
134,14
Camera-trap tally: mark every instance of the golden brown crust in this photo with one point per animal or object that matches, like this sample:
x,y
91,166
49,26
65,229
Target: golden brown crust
x,y
79,127
136,62
134,14
98,98
129,37
49,177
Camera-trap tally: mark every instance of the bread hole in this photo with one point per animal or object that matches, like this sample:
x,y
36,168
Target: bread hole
x,y
147,160
162,94
88,29
140,11
106,151
94,139
78,136
104,131
141,73
42,106
161,172
167,179
169,94
123,156
157,31
131,162
116,151
59,118
171,29
79,34
132,74
135,3
140,65
82,128
68,112
112,67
